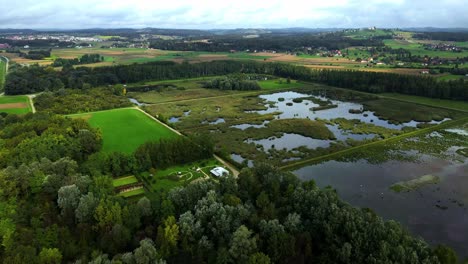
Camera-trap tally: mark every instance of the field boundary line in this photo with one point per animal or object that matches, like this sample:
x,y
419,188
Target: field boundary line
x,y
158,121
352,149
93,112
31,102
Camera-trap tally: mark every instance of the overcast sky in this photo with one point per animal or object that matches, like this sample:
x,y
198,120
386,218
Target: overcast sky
x,y
207,14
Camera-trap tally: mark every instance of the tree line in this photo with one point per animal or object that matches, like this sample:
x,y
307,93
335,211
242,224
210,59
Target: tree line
x,y
72,101
85,59
232,83
23,80
276,42
444,36
160,154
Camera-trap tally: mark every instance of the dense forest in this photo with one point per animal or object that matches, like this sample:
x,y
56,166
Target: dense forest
x,y
72,101
36,43
85,59
58,207
276,42
23,80
36,54
232,83
444,36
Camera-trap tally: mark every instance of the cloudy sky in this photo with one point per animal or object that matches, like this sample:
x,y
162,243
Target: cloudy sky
x,y
207,14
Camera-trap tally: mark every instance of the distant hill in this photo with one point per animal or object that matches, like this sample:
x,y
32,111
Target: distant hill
x,y
433,29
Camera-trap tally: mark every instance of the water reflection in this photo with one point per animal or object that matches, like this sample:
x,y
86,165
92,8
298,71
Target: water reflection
x,y
438,213
303,110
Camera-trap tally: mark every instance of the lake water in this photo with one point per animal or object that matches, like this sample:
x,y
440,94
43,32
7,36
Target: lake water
x,y
302,110
174,119
438,213
239,159
290,141
135,101
217,121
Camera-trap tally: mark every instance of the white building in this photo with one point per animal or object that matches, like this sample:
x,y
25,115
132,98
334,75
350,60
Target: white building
x,y
219,171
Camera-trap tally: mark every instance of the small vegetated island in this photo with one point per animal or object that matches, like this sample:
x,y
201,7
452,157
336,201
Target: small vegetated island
x,y
90,177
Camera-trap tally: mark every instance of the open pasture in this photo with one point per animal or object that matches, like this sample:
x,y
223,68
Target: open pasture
x,y
122,181
126,129
417,49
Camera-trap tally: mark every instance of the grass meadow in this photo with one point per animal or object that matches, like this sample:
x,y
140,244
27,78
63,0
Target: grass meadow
x,y
124,130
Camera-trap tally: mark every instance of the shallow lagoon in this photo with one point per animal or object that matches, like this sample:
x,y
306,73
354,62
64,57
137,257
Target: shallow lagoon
x,y
303,110
438,213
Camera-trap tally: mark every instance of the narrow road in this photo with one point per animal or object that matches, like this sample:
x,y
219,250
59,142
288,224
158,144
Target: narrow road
x,y
155,119
225,163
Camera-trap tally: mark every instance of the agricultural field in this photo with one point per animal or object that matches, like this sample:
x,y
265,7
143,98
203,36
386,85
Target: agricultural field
x,y
15,104
450,77
117,56
122,181
124,130
418,49
279,84
137,192
166,179
128,186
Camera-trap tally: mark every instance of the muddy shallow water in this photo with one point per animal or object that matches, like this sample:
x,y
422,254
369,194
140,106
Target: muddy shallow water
x,y
302,110
438,213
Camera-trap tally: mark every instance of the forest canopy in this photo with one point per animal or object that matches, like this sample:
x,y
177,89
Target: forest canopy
x,y
24,80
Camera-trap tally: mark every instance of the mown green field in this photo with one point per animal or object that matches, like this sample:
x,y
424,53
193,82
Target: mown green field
x,y
23,106
124,130
279,84
418,49
136,192
450,77
124,181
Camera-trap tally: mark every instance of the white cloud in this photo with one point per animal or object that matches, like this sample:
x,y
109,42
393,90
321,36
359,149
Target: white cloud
x,y
231,14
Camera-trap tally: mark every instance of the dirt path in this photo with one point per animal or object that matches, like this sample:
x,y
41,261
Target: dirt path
x,y
31,102
225,163
155,119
